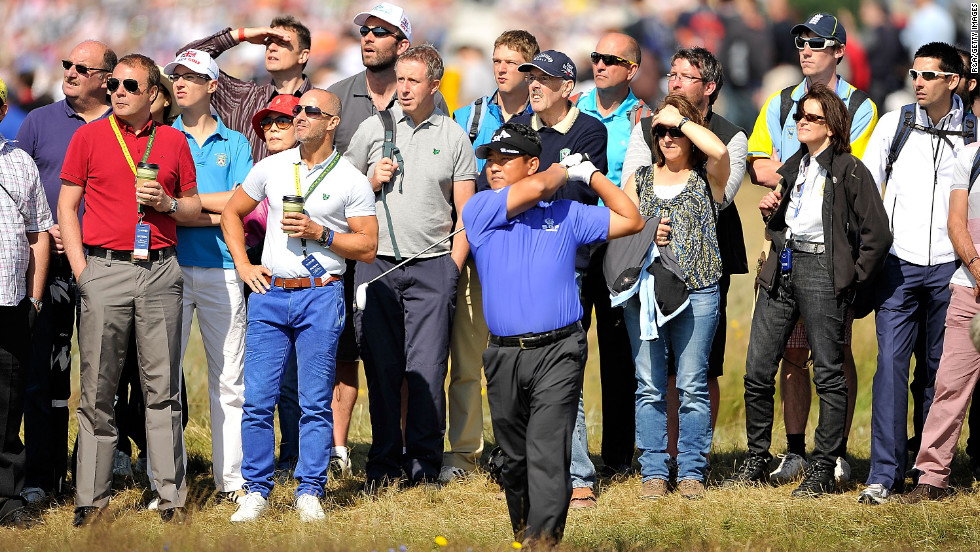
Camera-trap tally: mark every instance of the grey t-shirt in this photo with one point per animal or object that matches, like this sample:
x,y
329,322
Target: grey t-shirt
x,y
436,153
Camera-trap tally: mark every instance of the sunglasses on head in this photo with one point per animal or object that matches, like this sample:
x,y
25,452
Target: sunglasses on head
x,y
379,32
928,75
311,111
609,59
810,117
282,122
815,43
131,85
81,69
660,131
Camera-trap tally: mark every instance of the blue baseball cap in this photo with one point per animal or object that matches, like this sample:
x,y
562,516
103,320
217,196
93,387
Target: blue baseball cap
x,y
823,25
553,63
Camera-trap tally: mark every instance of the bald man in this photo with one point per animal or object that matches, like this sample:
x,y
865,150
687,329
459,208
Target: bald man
x,y
615,62
45,135
298,299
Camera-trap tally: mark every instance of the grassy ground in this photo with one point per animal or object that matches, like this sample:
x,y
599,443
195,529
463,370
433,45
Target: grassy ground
x,y
469,514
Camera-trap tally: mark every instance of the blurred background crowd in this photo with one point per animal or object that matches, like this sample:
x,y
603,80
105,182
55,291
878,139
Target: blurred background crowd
x,y
752,39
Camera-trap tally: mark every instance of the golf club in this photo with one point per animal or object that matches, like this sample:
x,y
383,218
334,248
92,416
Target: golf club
x,y
360,295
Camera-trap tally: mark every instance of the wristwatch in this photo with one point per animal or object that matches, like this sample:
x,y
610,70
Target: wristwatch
x,y
37,303
173,206
322,240
680,124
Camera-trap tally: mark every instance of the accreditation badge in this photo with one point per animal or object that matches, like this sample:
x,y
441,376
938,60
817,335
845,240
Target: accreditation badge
x,y
141,246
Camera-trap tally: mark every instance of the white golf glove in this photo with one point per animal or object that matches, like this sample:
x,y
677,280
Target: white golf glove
x,y
582,172
573,159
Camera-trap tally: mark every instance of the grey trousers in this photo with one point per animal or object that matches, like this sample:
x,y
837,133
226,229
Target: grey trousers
x,y
115,296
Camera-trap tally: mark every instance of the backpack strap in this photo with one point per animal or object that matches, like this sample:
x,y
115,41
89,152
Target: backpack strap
x,y
902,133
637,113
390,150
476,119
855,101
970,128
975,171
646,125
785,105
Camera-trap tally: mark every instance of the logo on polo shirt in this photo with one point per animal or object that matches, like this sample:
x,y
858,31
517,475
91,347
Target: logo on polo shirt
x,y
565,152
222,159
435,151
549,225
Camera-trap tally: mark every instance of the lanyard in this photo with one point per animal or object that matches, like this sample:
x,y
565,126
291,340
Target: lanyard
x,y
323,174
299,191
129,158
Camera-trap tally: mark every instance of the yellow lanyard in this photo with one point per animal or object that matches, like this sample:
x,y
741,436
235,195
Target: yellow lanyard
x,y
323,174
125,150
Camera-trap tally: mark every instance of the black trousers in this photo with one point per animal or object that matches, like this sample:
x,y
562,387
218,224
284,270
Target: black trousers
x,y
617,374
15,354
533,396
48,382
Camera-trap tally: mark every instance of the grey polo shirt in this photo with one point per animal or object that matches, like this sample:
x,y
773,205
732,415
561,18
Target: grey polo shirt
x,y
356,106
436,153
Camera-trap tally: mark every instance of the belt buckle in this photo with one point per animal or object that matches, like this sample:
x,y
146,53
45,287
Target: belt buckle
x,y
520,342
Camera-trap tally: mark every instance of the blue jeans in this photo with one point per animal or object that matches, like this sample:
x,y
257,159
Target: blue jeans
x,y
309,320
689,336
289,414
582,470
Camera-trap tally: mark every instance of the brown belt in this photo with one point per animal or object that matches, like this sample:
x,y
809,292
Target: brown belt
x,y
295,283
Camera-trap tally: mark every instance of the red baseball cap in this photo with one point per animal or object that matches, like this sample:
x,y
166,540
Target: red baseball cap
x,y
280,105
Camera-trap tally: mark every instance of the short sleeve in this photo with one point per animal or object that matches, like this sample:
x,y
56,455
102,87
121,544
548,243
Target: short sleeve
x,y
360,201
75,168
484,212
963,167
591,222
254,184
465,166
243,160
185,167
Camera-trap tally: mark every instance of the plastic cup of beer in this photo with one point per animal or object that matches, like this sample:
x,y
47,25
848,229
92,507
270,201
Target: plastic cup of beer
x,y
292,204
146,172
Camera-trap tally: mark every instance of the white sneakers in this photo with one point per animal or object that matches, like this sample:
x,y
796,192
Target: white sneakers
x,y
450,473
250,507
309,508
340,464
876,493
790,467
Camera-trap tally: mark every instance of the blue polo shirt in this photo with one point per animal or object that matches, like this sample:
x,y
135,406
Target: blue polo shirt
x,y
45,135
491,118
222,162
527,264
618,126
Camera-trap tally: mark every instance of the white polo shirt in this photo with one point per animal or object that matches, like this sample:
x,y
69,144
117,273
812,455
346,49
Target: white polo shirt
x,y
343,193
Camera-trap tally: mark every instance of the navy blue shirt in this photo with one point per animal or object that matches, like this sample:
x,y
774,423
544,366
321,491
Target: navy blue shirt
x,y
527,264
45,135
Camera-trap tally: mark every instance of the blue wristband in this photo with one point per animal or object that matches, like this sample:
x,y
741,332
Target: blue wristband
x,y
330,239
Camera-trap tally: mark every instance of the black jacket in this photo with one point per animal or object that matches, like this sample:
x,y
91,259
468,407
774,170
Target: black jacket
x,y
855,224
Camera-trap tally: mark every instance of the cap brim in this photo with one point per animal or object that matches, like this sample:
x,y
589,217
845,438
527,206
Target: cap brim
x,y
361,18
262,114
803,27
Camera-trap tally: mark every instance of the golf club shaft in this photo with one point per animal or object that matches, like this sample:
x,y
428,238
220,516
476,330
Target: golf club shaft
x,y
413,257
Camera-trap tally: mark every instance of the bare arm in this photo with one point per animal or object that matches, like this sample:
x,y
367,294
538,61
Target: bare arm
x,y
528,191
216,202
624,217
463,190
718,166
960,236
762,171
361,244
71,230
233,229
37,264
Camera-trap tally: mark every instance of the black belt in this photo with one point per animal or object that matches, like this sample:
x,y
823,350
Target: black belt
x,y
805,246
127,256
535,340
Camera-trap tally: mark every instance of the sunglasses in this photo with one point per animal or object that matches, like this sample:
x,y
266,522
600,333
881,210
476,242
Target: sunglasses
x,y
686,78
311,111
131,85
660,131
190,77
816,43
810,117
282,123
928,75
81,69
609,59
379,32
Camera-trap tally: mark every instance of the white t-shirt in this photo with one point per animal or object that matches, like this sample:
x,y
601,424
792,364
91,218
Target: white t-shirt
x,y
343,193
961,181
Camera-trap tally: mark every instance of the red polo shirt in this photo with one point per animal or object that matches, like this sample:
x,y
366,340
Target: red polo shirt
x,y
96,162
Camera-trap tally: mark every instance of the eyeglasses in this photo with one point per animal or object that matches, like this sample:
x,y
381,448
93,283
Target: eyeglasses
x,y
660,131
379,32
810,117
815,43
131,85
81,69
190,77
609,59
311,111
685,78
543,79
282,123
928,75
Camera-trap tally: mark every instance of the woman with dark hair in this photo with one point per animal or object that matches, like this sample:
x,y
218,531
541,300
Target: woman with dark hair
x,y
683,189
829,234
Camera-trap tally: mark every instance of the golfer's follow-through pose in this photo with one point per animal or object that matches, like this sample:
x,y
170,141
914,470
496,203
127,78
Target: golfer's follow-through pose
x,y
525,254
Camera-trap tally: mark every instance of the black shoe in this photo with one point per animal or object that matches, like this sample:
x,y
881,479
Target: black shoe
x,y
754,470
86,515
21,518
817,479
975,469
174,515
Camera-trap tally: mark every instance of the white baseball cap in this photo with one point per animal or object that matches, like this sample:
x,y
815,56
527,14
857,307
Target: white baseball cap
x,y
389,13
198,61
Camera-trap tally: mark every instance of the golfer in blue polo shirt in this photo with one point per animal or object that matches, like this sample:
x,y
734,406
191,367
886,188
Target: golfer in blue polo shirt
x,y
525,256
